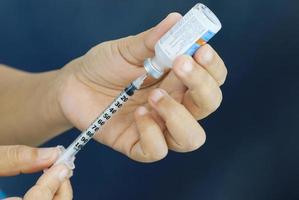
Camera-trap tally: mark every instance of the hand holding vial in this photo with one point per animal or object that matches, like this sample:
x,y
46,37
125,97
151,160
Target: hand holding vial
x,y
163,114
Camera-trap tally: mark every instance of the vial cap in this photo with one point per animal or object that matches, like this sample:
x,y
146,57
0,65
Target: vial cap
x,y
151,69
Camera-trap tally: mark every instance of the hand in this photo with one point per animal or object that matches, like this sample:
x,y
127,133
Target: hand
x,y
161,116
53,184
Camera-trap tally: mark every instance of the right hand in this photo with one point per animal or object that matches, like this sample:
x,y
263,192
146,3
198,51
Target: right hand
x,y
53,184
162,115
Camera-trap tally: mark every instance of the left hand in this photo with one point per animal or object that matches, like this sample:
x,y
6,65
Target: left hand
x,y
163,114
53,184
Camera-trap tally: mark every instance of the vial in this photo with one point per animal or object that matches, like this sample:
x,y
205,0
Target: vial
x,y
195,29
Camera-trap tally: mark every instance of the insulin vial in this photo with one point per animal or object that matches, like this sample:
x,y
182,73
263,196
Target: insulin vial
x,y
195,29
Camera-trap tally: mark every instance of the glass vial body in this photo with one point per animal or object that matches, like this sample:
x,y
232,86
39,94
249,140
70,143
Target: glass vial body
x,y
195,29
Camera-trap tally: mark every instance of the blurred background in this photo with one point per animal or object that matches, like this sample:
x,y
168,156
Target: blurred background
x,y
252,149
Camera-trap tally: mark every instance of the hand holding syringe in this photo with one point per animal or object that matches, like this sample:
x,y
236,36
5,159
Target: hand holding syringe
x,y
195,29
68,156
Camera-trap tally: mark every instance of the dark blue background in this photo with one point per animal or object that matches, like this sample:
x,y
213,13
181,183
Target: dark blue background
x,y
252,140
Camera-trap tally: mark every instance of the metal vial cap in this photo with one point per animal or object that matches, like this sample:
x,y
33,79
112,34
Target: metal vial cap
x,y
151,69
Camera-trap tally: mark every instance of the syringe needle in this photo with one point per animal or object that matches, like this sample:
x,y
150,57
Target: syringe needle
x,y
139,81
68,156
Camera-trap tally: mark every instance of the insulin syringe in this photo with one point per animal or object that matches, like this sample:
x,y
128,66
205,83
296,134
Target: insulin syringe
x,y
68,156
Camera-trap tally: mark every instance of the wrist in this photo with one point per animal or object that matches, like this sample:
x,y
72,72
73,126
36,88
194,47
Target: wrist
x,y
51,111
32,113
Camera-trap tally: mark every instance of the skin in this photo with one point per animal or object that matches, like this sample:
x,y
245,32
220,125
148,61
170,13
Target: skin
x,y
53,184
161,116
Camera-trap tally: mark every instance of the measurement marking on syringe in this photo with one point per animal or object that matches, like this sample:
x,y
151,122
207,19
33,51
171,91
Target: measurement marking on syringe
x,y
101,120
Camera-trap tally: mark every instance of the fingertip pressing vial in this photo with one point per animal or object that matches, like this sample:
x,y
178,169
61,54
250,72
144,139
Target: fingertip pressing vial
x,y
195,29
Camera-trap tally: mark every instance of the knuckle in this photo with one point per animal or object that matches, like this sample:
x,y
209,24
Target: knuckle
x,y
214,105
207,97
172,111
16,154
94,51
213,100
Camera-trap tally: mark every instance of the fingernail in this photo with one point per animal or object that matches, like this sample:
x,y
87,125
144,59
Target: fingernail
x,y
46,153
157,95
60,149
185,67
206,55
64,174
142,110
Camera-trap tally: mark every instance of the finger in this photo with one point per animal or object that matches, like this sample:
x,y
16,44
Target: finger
x,y
207,57
13,198
204,95
185,131
139,47
151,145
48,184
65,192
23,159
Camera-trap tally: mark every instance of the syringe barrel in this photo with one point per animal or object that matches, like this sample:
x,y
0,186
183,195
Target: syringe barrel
x,y
69,154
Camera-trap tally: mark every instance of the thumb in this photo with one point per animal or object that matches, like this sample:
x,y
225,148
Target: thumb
x,y
23,159
49,183
135,49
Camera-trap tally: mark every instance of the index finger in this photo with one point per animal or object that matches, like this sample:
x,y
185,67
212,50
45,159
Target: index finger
x,y
16,159
48,184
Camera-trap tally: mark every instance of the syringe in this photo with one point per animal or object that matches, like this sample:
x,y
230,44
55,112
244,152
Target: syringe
x,y
68,156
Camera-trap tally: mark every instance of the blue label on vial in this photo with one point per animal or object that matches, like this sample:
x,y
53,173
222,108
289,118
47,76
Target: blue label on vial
x,y
204,39
192,49
208,35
